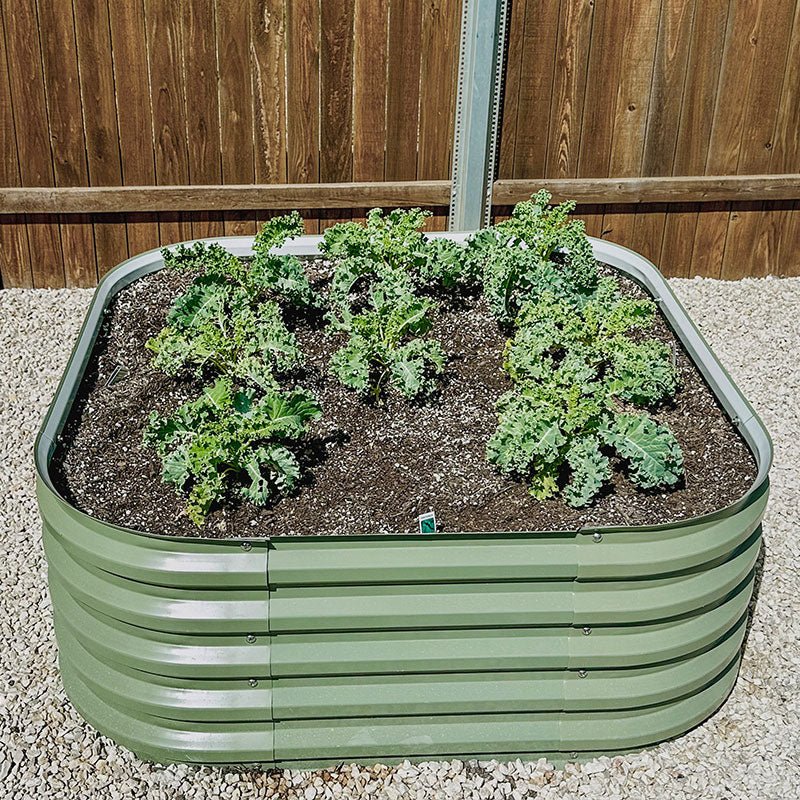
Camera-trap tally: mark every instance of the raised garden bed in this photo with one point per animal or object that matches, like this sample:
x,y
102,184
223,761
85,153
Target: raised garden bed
x,y
239,643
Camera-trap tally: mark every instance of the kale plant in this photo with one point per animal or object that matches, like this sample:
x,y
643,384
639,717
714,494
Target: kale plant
x,y
580,363
226,433
538,249
280,276
227,329
216,327
383,272
384,348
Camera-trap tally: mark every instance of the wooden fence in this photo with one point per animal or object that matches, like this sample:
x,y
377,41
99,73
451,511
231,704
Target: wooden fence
x,y
208,93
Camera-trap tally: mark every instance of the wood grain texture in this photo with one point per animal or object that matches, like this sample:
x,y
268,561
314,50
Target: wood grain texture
x,y
370,62
535,94
26,81
785,152
750,231
201,77
694,130
402,89
441,25
167,92
96,69
515,39
639,37
268,57
664,113
336,97
15,265
134,113
67,140
236,131
569,88
302,110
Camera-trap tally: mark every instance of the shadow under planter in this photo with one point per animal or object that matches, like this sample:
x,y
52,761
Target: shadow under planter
x,y
304,651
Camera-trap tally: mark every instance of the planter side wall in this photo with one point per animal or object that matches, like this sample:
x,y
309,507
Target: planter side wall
x,y
303,651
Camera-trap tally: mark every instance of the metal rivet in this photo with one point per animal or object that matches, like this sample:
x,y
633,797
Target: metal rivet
x,y
253,682
251,639
247,546
586,631
574,754
597,536
582,673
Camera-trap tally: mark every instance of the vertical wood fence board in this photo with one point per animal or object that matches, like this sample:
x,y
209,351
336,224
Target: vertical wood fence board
x,y
236,105
602,79
199,52
750,232
532,109
403,89
134,113
569,88
694,130
336,98
67,140
786,154
268,57
638,45
15,266
26,82
441,27
302,109
512,85
101,128
169,109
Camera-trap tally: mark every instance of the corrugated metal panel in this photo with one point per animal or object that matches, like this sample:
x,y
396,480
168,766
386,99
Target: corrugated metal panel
x,y
301,651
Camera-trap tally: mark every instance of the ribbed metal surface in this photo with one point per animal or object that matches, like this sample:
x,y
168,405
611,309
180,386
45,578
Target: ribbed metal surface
x,y
307,651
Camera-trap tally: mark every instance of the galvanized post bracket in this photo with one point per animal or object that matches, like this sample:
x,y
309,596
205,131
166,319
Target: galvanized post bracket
x,y
477,120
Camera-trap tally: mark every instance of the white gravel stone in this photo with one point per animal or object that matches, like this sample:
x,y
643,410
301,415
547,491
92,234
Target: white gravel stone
x,y
749,749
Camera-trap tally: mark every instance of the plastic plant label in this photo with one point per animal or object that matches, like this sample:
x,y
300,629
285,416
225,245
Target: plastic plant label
x,y
427,522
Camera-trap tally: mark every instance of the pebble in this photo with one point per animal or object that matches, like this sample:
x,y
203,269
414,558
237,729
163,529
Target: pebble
x,y
749,749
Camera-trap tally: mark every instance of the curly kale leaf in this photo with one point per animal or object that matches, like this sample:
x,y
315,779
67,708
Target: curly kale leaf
x,y
211,260
537,249
218,328
642,373
571,364
382,350
227,436
528,443
653,454
590,470
282,275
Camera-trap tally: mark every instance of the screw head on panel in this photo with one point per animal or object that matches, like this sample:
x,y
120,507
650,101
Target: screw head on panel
x,y
247,546
597,536
253,682
582,673
251,639
587,631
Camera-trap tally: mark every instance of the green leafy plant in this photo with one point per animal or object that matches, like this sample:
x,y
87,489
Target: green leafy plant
x,y
391,257
217,327
227,327
537,249
380,351
210,442
281,276
578,360
383,271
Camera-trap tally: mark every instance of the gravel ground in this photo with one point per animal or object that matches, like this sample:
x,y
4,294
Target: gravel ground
x,y
749,749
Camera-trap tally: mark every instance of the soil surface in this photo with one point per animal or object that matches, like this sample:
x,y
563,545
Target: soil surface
x,y
369,469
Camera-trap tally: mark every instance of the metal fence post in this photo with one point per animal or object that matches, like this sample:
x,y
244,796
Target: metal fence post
x,y
480,77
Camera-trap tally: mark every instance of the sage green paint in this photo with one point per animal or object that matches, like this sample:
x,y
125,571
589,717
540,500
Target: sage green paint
x,y
305,651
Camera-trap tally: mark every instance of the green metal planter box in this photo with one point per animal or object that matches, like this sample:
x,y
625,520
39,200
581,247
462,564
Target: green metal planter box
x,y
302,651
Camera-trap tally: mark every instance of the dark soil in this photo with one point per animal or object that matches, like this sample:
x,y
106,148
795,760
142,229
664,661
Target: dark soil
x,y
369,469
